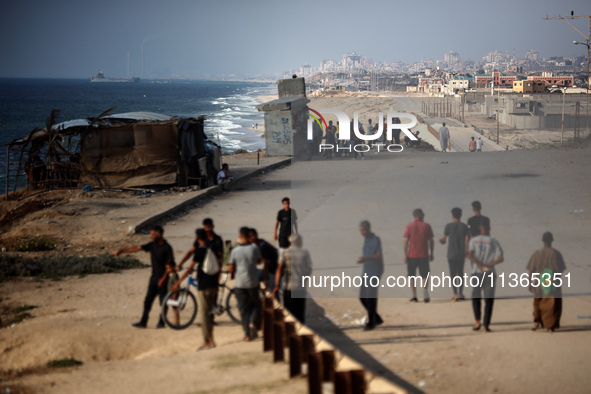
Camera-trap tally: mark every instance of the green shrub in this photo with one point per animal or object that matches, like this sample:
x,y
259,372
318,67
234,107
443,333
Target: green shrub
x,y
56,267
64,363
34,244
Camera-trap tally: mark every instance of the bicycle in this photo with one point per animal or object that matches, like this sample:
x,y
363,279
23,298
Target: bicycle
x,y
183,304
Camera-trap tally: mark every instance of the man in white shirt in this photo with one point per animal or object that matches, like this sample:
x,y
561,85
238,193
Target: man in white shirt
x,y
479,144
223,178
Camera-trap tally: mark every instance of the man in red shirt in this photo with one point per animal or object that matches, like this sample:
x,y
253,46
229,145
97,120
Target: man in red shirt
x,y
418,252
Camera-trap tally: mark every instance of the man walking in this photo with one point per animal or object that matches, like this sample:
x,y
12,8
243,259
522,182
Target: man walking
x,y
373,265
444,139
475,221
270,255
485,252
459,235
472,145
287,223
243,262
479,144
294,263
160,252
544,264
418,248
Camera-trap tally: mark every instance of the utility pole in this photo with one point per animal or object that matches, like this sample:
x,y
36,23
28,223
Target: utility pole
x,y
562,127
498,110
588,44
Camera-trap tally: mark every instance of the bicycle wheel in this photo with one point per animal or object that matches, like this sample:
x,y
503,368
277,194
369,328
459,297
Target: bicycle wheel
x,y
232,307
179,309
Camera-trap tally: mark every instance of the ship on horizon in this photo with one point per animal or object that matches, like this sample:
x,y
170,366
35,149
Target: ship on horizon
x,y
100,77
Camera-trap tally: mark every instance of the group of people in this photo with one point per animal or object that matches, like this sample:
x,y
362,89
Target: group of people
x,y
445,141
473,241
289,263
346,147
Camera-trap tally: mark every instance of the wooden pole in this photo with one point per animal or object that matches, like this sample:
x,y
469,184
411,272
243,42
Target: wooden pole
x,y
315,373
278,342
295,356
328,365
267,330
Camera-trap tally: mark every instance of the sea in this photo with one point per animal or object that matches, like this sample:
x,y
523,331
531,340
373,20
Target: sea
x,y
228,106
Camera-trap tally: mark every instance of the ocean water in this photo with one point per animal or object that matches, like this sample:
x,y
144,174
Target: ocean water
x,y
229,107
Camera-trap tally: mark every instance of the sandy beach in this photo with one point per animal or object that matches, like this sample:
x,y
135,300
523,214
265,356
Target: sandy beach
x,y
428,346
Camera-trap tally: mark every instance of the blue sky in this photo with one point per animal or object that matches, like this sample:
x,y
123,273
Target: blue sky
x,y
67,38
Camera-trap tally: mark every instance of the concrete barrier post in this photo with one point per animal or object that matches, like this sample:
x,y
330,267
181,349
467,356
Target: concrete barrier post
x,y
342,383
315,373
290,329
358,385
278,341
308,346
328,365
268,330
279,317
295,356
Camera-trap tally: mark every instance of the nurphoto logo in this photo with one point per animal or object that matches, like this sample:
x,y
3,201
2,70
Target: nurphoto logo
x,y
393,125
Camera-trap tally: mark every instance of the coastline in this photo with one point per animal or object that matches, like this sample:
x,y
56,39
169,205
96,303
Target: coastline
x,y
426,344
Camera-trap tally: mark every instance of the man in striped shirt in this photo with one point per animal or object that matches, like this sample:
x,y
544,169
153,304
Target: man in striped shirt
x,y
484,252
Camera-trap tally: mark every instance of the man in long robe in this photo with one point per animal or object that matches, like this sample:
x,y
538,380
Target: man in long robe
x,y
546,262
444,138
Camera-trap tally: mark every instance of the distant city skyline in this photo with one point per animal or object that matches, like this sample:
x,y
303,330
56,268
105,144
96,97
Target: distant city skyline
x,y
197,39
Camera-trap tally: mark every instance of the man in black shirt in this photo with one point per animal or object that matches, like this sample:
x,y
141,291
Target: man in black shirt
x,y
160,252
270,256
477,220
288,219
214,241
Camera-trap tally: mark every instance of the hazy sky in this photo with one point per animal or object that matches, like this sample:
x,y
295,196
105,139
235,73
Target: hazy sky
x,y
74,38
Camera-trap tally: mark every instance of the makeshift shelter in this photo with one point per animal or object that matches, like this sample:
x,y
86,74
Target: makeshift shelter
x,y
117,151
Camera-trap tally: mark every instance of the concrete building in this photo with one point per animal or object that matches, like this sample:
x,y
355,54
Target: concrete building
x,y
536,111
351,61
496,77
454,86
549,79
451,58
531,55
529,86
286,119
